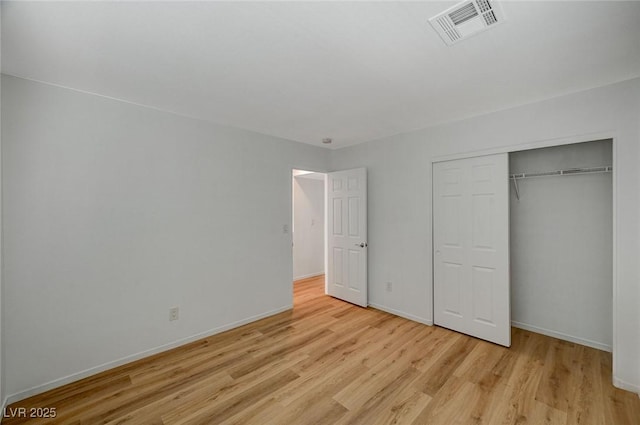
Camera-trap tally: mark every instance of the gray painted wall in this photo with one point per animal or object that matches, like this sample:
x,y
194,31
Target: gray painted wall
x,y
2,393
561,234
308,227
113,213
399,198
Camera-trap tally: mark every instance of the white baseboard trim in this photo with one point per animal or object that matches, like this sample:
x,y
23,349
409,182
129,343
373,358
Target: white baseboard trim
x,y
5,403
306,276
623,385
128,359
402,314
560,335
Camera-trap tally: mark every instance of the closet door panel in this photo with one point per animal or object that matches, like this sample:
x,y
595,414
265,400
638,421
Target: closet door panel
x,y
471,247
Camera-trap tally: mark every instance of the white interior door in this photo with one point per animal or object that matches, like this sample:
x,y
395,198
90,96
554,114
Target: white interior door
x,y
347,235
471,247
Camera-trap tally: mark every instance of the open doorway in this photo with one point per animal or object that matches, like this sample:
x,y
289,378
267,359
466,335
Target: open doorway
x,y
308,227
561,242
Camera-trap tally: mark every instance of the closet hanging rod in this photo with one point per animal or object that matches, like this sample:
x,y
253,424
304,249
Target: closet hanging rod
x,y
568,172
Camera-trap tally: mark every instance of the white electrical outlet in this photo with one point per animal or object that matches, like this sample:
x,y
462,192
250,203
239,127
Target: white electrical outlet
x,y
174,313
389,286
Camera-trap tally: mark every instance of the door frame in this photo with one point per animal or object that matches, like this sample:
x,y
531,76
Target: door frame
x,y
523,146
290,221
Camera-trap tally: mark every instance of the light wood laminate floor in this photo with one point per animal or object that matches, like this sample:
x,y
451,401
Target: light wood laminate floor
x,y
329,362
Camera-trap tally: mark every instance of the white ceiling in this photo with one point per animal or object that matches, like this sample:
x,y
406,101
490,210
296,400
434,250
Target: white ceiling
x,y
352,71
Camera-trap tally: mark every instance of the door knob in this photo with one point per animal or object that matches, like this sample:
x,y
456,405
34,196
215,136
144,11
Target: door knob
x,y
361,245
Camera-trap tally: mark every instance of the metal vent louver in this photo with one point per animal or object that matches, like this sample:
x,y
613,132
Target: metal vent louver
x,y
466,19
463,14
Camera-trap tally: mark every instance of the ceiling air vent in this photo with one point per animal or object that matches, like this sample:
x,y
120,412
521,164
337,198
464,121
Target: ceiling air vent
x,y
466,19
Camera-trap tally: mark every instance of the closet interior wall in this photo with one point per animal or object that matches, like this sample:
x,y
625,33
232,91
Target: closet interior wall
x,y
561,237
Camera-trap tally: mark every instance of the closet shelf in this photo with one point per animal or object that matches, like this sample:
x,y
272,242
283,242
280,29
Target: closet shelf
x,y
569,172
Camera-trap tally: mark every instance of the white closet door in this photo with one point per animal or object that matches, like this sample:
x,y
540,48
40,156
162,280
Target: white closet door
x,y
347,235
471,247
